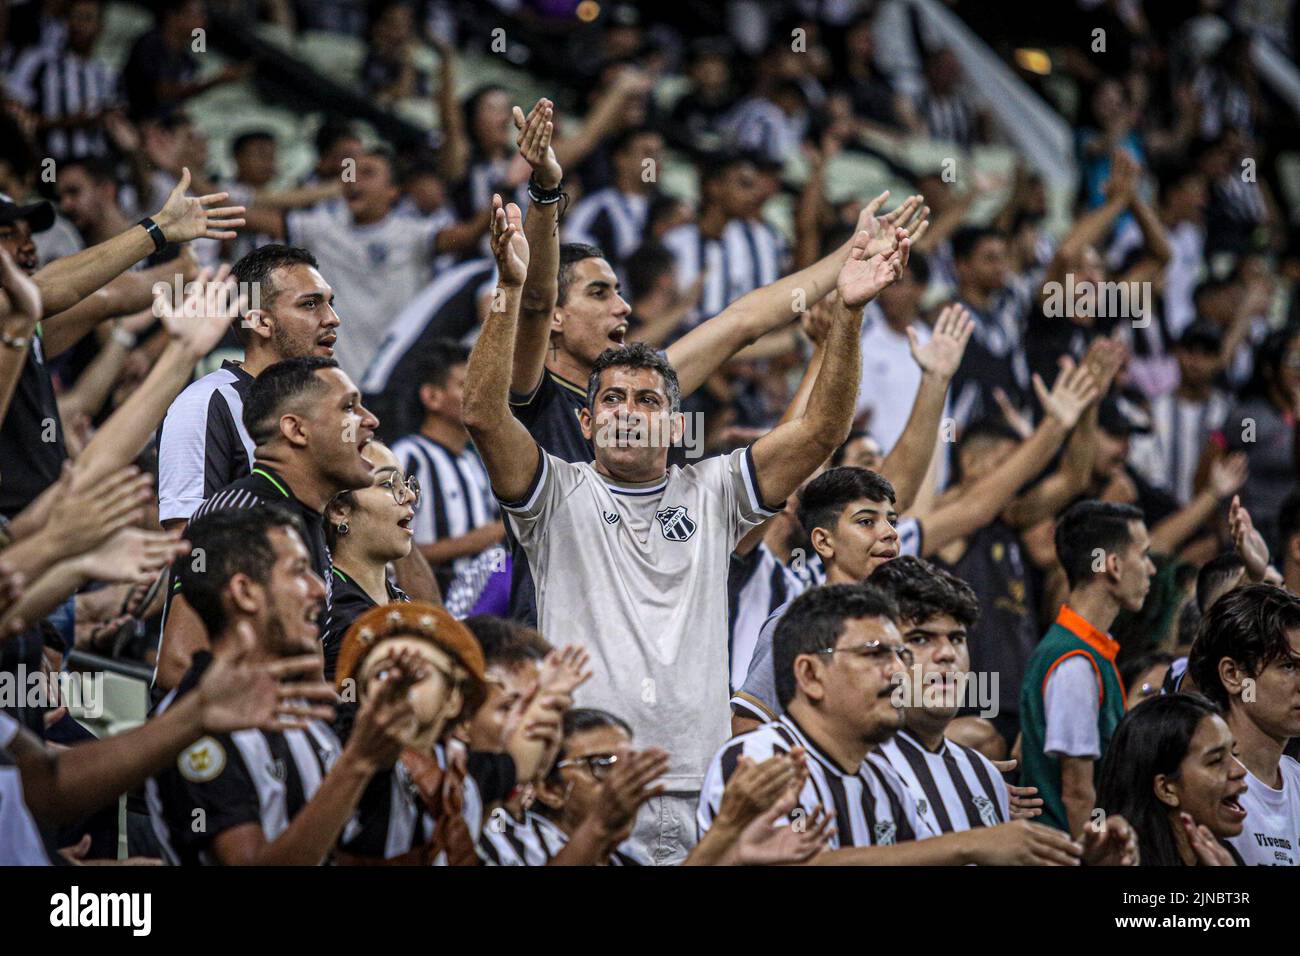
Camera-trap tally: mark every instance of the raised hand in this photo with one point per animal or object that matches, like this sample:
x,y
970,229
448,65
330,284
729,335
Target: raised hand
x,y
861,278
535,132
210,306
85,514
1208,850
1110,842
509,246
386,719
1124,173
882,230
1072,392
183,217
134,556
763,843
237,693
942,355
1104,359
19,295
1228,474
754,787
564,670
629,785
1248,542
816,322
1019,423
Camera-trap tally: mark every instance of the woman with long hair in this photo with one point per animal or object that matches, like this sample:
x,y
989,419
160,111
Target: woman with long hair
x,y
1171,772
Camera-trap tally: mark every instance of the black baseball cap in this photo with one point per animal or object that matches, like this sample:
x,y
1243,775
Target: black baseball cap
x,y
1121,413
39,215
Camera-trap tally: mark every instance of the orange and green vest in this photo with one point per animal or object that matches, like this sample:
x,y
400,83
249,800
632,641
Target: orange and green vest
x,y
1070,636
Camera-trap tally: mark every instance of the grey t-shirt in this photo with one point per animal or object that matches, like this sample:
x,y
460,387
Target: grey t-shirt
x,y
757,698
637,574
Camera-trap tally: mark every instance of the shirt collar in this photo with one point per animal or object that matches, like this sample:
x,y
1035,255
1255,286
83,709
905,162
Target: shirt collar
x,y
1099,641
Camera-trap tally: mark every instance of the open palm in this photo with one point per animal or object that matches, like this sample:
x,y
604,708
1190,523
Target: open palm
x,y
509,247
942,354
861,278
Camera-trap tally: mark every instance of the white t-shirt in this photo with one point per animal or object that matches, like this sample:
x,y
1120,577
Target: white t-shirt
x,y
1272,830
20,840
890,376
375,271
1072,702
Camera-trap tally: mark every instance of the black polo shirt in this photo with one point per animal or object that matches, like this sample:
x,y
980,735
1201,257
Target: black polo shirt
x,y
32,451
264,486
348,601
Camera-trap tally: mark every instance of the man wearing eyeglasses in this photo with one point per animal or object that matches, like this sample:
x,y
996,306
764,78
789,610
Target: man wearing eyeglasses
x,y
839,658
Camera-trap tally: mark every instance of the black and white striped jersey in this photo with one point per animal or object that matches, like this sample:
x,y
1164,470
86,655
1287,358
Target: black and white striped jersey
x,y
202,443
611,220
223,781
392,819
534,841
748,255
455,494
956,788
55,84
872,805
950,119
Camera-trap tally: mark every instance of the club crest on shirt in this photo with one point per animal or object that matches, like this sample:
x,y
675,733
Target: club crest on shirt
x,y
377,253
886,832
988,812
611,517
277,770
202,761
677,524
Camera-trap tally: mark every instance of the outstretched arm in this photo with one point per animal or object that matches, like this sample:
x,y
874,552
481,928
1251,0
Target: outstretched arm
x,y
541,230
789,453
1073,391
508,451
65,282
909,460
698,354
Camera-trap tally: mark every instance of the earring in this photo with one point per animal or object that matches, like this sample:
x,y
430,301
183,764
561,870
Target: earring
x,y
342,527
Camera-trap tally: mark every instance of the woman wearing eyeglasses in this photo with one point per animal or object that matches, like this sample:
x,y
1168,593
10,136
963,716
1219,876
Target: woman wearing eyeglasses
x,y
366,530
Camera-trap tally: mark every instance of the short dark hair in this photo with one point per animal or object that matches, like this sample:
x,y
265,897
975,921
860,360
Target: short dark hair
x,y
578,720
504,642
924,591
229,542
256,269
1212,577
247,139
967,239
837,457
1249,626
646,266
813,623
97,169
437,360
1087,527
1133,668
636,355
825,497
334,129
571,253
275,388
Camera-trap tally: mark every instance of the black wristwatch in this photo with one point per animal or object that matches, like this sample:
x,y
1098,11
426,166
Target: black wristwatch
x,y
155,233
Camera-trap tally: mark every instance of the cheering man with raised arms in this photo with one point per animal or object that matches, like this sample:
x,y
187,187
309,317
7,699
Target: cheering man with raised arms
x,y
630,558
